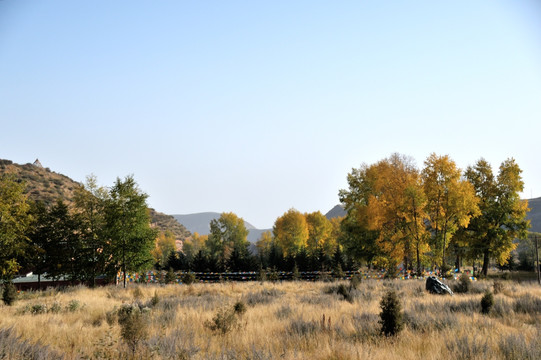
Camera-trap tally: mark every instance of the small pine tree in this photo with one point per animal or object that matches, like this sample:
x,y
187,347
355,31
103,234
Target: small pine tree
x,y
170,277
487,302
188,278
9,293
391,317
296,275
464,284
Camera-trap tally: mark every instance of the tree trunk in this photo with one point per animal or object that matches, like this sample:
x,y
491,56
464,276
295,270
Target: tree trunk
x,y
457,263
486,260
418,261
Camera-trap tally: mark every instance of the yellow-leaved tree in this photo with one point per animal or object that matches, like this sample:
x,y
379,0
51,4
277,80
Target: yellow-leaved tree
x,y
291,232
451,202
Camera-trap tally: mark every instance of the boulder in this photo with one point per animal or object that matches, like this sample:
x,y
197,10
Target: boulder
x,y
434,286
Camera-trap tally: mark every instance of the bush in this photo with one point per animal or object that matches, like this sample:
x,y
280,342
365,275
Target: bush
x,y
73,305
498,287
239,308
224,321
355,281
464,284
487,302
155,299
391,317
188,278
9,293
170,277
133,324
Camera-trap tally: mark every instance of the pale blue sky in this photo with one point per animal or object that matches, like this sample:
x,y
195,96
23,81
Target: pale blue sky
x,y
256,107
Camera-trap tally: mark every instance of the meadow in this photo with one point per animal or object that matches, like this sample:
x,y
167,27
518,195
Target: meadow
x,y
283,320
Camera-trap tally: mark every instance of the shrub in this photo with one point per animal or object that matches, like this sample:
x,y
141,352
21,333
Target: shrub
x,y
170,277
464,284
188,278
355,281
295,275
73,305
391,317
224,321
55,308
38,309
239,308
155,299
498,287
9,293
133,324
487,302
262,275
345,292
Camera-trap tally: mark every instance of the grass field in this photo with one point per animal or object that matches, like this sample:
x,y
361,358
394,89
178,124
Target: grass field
x,y
289,320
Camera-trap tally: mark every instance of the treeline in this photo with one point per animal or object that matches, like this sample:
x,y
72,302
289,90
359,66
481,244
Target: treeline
x,y
437,218
397,215
106,230
302,242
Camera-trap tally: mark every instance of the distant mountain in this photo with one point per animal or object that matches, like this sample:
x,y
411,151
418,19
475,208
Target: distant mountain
x,y
534,215
45,185
337,211
200,223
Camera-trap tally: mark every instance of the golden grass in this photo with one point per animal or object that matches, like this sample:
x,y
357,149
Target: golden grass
x,y
285,320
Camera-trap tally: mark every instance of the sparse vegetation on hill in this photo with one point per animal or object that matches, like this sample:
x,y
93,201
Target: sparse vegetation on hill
x,y
42,184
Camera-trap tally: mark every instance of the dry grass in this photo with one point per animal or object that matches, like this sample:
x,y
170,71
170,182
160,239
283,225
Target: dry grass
x,y
291,320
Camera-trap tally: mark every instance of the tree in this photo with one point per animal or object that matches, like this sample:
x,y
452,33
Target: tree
x,y
90,205
319,234
263,246
451,202
165,246
291,232
130,237
227,234
385,206
502,213
14,220
57,242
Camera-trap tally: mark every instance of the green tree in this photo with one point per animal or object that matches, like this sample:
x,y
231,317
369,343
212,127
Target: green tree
x,y
502,213
14,221
291,232
130,237
228,234
90,205
56,242
451,202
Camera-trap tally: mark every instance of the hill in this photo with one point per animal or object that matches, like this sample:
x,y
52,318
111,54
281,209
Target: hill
x,y
200,223
45,185
337,211
534,215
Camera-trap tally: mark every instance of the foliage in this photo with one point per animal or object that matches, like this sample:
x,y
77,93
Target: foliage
x,y
133,324
14,219
464,284
391,316
502,212
487,302
188,278
451,202
291,232
226,319
9,293
227,242
129,233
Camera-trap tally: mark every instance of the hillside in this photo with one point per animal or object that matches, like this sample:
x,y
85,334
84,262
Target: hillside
x,y
200,223
45,185
337,211
534,215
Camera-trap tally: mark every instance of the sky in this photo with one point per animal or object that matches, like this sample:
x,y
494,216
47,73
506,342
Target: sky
x,y
257,107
